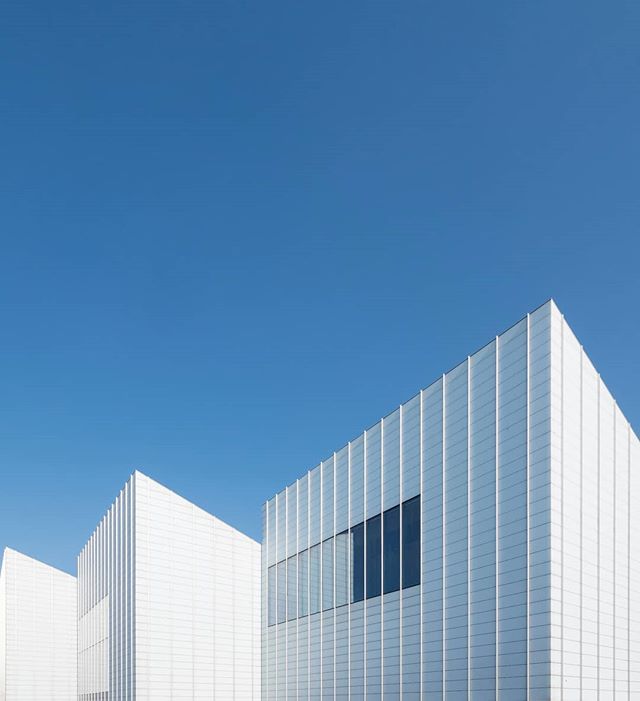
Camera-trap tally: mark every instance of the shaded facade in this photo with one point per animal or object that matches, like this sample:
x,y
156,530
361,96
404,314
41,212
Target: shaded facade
x,y
169,603
37,631
480,542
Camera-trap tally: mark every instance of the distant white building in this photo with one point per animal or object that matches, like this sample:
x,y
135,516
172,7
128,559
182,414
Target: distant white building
x,y
37,631
169,603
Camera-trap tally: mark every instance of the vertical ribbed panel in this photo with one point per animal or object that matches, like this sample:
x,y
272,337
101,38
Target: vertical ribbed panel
x,y
169,602
106,616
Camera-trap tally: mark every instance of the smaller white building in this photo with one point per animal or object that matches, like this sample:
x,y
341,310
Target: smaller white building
x,y
38,652
169,603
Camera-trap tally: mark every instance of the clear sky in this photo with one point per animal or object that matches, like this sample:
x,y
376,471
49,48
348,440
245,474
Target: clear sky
x,y
234,234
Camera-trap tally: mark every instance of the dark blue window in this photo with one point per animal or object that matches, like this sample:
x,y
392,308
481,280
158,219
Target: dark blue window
x,y
357,562
378,556
411,543
374,556
391,546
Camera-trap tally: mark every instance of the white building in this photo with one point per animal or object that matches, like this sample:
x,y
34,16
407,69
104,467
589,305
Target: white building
x,y
169,603
37,631
479,543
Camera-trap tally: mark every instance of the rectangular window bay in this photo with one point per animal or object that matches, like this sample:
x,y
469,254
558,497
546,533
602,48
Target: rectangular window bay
x,y
378,556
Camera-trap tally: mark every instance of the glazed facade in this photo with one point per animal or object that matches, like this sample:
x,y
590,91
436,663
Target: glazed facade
x,y
169,603
477,543
37,631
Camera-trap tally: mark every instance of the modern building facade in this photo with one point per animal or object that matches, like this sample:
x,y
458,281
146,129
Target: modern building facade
x,y
480,542
37,631
169,603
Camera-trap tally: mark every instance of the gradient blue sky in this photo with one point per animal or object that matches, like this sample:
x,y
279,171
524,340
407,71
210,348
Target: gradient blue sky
x,y
234,234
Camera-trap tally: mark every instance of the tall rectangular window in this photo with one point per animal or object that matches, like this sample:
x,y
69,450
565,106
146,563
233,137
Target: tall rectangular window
x,y
327,574
391,541
282,592
342,569
314,579
271,595
303,583
292,588
357,563
411,543
374,556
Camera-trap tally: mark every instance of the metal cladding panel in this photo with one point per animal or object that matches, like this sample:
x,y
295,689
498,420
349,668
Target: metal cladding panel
x,y
526,473
38,643
594,532
3,633
170,602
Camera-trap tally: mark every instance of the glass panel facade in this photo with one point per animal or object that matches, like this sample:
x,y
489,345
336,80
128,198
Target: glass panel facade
x,y
410,543
342,490
314,579
303,583
391,556
292,520
356,480
342,569
327,499
332,573
357,563
292,588
271,595
327,574
315,518
411,448
391,460
281,595
373,573
373,470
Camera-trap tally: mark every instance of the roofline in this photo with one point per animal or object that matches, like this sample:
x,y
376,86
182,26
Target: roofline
x,y
8,549
549,300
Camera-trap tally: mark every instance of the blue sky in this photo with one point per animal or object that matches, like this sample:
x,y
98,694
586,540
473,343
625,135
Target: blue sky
x,y
235,234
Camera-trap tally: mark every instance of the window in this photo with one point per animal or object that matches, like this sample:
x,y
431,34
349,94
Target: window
x,y
327,574
342,569
303,583
357,563
292,588
411,543
314,580
282,592
378,556
391,545
374,553
271,595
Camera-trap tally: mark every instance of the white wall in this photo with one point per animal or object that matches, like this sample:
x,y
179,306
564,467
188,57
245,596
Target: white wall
x,y
169,602
3,633
197,602
38,656
595,533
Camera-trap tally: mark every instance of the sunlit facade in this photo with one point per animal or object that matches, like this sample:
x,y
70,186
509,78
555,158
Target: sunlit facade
x,y
169,603
37,631
480,542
